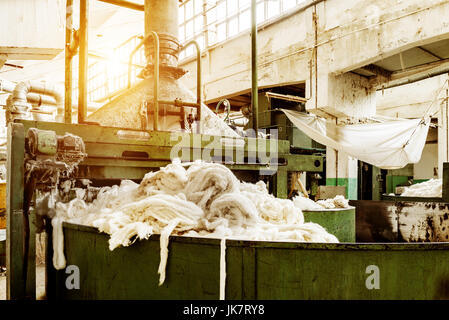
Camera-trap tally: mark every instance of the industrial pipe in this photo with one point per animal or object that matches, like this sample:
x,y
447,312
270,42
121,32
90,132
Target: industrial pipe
x,y
254,85
68,62
20,94
156,81
83,58
155,37
227,108
162,18
31,97
42,100
198,79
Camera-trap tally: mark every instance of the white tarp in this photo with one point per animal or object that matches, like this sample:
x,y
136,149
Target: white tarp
x,y
388,145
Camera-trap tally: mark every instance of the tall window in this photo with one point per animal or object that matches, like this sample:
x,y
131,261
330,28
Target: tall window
x,y
213,21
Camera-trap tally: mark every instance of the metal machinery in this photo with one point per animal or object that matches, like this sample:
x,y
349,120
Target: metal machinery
x,y
271,117
126,144
255,270
405,219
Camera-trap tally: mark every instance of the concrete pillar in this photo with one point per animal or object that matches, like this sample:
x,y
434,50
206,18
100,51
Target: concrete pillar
x,y
341,170
343,96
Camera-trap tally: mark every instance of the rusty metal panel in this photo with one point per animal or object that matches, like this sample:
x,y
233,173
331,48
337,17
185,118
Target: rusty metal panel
x,y
401,221
423,221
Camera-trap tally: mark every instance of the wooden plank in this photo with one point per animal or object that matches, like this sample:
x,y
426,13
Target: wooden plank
x,y
15,278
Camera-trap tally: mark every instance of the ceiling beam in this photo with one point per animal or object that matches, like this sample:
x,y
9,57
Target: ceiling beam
x,y
378,71
430,52
414,74
25,53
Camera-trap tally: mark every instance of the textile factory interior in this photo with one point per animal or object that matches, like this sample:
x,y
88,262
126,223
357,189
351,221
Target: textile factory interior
x,y
224,150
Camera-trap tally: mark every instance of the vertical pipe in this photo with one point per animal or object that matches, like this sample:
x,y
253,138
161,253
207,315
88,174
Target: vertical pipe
x,y
447,124
198,84
254,89
68,62
156,81
83,56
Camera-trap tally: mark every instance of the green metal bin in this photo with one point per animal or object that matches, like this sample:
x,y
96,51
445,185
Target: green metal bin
x,y
339,222
255,269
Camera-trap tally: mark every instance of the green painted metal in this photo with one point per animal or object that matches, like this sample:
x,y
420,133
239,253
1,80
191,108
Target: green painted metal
x,y
255,270
47,142
117,153
394,181
106,147
376,185
339,222
281,184
349,183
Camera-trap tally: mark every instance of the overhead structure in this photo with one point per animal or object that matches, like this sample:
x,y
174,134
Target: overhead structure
x,y
173,107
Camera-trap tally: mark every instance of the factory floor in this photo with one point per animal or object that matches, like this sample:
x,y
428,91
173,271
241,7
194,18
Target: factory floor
x,y
40,283
40,270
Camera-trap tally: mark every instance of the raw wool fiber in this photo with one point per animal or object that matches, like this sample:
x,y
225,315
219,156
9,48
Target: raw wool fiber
x,y
430,188
307,204
207,181
206,200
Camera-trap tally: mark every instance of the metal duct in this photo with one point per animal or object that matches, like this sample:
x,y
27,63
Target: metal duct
x,y
9,86
162,18
20,92
30,92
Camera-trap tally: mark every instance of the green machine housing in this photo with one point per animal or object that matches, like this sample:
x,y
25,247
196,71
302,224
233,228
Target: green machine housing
x,y
114,154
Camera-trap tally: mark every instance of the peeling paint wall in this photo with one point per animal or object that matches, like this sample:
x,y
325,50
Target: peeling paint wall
x,y
350,34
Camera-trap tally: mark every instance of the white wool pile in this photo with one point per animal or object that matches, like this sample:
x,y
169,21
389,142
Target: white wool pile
x,y
207,181
170,179
206,200
213,125
341,202
307,204
430,188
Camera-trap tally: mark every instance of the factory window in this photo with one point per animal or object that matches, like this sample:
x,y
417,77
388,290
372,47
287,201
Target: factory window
x,y
214,21
206,21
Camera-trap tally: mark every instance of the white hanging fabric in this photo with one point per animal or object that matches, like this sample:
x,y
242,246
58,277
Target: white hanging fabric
x,y
388,145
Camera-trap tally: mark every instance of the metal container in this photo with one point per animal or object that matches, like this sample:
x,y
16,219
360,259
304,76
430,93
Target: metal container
x,y
339,222
255,270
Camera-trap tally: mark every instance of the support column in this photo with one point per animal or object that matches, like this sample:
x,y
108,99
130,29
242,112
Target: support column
x,y
443,131
343,96
341,170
